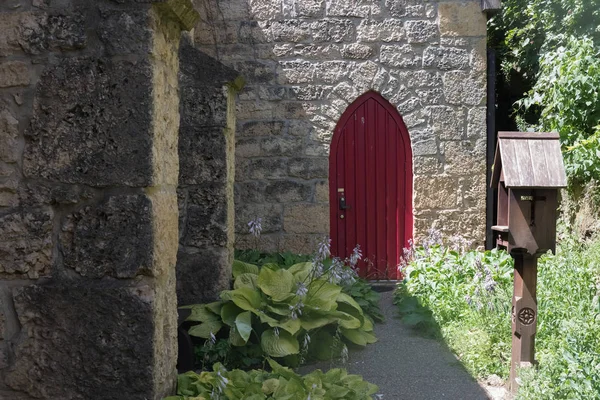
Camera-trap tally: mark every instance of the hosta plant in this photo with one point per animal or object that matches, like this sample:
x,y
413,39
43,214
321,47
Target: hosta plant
x,y
281,310
280,383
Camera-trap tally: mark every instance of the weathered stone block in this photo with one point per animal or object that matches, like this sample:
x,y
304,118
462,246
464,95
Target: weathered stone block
x,y
203,106
331,72
250,192
388,30
317,51
14,73
261,128
113,238
461,88
478,56
473,190
202,155
477,123
427,166
399,56
202,274
288,192
296,72
111,322
92,123
405,8
9,133
283,145
26,246
309,92
247,147
268,243
302,243
462,19
357,51
265,9
306,218
303,8
448,122
322,192
421,31
309,168
425,147
352,8
445,58
260,168
125,32
290,30
332,30
271,215
418,78
465,157
436,192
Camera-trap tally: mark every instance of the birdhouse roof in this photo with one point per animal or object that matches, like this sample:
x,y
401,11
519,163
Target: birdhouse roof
x,y
529,160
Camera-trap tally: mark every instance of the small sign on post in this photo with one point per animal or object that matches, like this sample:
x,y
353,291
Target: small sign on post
x,y
528,173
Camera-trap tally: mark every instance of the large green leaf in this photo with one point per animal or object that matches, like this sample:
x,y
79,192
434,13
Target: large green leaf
x,y
204,329
344,298
322,295
301,271
316,319
277,284
240,267
346,320
235,338
280,345
358,336
247,299
201,313
245,280
323,347
243,323
290,325
229,313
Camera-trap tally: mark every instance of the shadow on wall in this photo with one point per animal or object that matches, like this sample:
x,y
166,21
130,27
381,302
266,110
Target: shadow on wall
x,y
306,61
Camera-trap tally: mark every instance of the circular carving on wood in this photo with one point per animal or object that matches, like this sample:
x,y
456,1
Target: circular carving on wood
x,y
526,316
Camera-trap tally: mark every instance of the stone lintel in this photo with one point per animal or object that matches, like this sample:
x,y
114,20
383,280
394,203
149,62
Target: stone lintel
x,y
181,11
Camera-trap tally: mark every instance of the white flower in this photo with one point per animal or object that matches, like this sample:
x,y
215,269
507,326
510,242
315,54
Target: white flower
x,y
255,226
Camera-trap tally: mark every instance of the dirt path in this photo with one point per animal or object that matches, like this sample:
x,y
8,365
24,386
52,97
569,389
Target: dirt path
x,y
406,366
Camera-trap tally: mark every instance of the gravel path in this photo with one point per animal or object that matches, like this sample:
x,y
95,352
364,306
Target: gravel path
x,y
406,366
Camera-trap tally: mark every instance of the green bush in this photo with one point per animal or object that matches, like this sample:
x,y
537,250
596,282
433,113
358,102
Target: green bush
x,y
465,298
290,313
281,384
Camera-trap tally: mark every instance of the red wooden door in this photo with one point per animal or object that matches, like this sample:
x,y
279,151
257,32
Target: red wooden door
x,y
370,184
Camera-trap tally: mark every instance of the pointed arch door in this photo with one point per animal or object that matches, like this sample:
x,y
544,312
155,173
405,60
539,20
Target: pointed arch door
x,y
370,183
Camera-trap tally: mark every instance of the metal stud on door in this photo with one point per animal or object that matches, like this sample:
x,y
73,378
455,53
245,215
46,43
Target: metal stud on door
x,y
370,182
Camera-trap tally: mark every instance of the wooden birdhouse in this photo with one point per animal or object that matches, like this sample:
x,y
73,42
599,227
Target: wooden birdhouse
x,y
528,172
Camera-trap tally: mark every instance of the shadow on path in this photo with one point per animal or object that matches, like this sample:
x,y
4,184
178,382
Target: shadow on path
x,y
406,366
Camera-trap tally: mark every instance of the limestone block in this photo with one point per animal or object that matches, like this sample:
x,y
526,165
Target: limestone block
x,y
462,19
287,191
265,9
125,32
309,168
418,78
14,73
306,218
250,192
202,155
260,128
9,133
296,72
425,147
302,243
399,56
445,58
421,31
461,88
290,30
473,190
478,56
436,192
26,245
332,72
345,90
247,147
309,92
388,30
362,76
260,168
271,215
112,238
250,32
92,123
303,8
293,109
111,322
357,51
464,157
316,51
283,145
332,30
203,106
430,95
272,92
268,243
477,123
322,192
352,8
448,122
427,166
405,8
202,274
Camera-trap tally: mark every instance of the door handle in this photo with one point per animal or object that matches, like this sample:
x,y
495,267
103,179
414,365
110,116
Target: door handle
x,y
343,205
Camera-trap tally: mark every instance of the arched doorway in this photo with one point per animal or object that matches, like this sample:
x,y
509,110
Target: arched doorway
x,y
370,184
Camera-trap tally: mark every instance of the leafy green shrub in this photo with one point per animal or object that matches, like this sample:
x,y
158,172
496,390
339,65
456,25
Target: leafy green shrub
x,y
278,309
465,298
281,383
283,259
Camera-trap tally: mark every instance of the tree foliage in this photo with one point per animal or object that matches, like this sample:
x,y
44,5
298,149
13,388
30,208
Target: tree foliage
x,y
554,47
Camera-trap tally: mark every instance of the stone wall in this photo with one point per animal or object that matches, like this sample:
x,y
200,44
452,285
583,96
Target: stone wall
x,y
89,116
205,192
305,61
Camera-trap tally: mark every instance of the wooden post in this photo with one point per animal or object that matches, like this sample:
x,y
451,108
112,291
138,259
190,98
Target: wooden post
x,y
524,314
